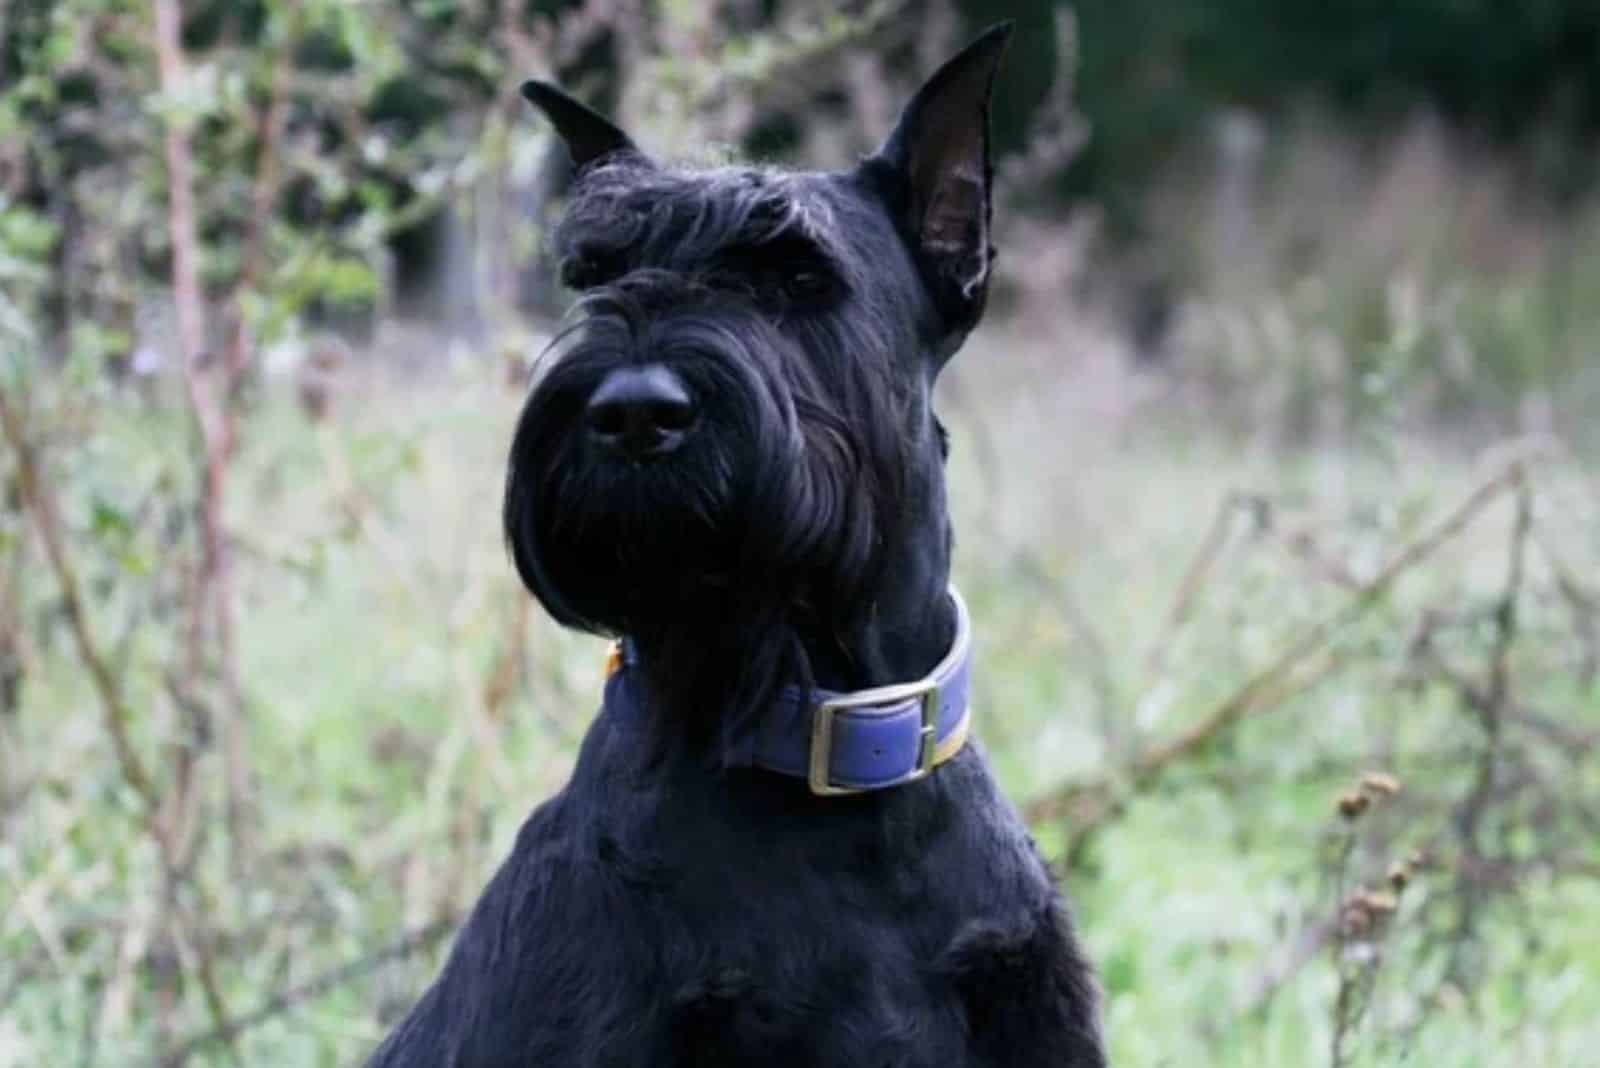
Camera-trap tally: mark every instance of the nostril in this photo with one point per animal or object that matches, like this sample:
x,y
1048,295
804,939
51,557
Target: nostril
x,y
608,419
671,414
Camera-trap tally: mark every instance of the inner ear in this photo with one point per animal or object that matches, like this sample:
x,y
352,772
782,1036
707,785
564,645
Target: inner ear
x,y
949,182
939,155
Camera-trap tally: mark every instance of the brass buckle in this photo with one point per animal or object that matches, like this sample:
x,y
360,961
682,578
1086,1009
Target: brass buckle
x,y
818,774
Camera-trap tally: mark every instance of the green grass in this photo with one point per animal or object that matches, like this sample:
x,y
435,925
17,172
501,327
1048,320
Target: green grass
x,y
376,600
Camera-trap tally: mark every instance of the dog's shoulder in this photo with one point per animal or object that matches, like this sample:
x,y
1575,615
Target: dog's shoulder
x,y
1005,939
528,980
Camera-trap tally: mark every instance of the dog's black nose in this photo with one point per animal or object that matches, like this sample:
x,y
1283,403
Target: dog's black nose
x,y
641,412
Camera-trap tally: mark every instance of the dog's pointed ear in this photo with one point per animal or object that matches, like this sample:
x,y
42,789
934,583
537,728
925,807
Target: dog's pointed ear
x,y
589,135
939,155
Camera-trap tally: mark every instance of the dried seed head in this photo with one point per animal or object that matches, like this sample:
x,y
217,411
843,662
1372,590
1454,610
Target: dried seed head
x,y
1379,784
317,382
1379,904
328,355
1352,804
514,368
1399,876
1354,918
316,397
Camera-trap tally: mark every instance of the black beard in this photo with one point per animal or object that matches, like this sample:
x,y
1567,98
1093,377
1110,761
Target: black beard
x,y
722,561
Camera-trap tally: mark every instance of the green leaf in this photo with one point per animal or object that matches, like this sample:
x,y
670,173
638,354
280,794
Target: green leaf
x,y
27,234
107,520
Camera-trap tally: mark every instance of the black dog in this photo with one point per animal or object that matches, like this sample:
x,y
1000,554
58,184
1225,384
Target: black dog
x,y
776,848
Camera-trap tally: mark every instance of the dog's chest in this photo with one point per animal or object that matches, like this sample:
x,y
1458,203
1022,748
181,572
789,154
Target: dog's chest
x,y
815,944
816,973
833,1009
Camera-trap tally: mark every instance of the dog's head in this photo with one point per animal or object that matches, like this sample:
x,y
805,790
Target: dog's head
x,y
736,428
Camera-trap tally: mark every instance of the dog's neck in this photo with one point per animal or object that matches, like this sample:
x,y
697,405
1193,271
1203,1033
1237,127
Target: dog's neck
x,y
908,630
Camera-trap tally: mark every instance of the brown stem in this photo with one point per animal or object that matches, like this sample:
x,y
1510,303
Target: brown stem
x,y
40,504
1194,580
190,315
1140,773
287,1000
1491,705
210,400
263,197
1344,1003
1097,657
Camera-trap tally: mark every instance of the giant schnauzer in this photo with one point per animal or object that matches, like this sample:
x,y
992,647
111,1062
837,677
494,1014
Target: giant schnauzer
x,y
778,846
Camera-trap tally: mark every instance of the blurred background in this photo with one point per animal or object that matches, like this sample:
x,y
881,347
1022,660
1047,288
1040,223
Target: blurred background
x,y
1274,472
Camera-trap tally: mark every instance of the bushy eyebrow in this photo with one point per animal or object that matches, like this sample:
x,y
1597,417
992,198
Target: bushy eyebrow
x,y
625,216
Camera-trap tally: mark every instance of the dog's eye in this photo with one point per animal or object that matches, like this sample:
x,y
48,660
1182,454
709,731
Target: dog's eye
x,y
587,271
578,274
806,285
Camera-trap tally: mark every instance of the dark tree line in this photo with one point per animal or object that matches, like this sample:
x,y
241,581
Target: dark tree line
x,y
381,99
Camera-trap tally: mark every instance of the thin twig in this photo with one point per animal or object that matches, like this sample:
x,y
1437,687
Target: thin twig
x,y
287,1000
41,505
1490,708
1193,581
1285,967
263,196
117,714
1140,773
1079,623
211,402
1583,604
1346,1010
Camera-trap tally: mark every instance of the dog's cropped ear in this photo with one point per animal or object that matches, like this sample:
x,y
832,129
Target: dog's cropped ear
x,y
939,154
589,135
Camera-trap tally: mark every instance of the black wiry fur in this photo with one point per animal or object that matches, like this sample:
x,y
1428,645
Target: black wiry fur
x,y
662,910
817,452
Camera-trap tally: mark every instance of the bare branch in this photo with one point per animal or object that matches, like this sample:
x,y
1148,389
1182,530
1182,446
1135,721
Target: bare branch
x,y
1105,795
41,505
210,399
287,1000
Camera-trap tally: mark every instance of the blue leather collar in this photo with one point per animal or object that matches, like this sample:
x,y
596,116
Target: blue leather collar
x,y
863,740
